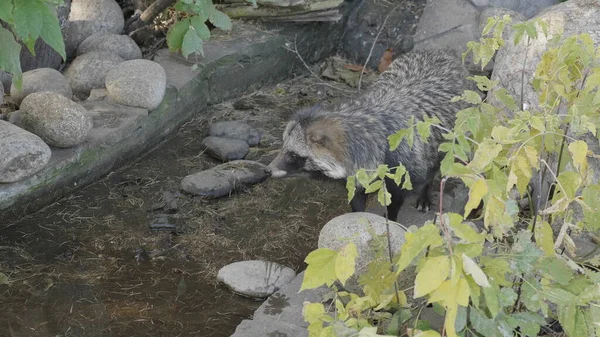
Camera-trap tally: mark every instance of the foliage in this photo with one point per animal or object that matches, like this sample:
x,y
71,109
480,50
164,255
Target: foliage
x,y
190,34
27,20
508,288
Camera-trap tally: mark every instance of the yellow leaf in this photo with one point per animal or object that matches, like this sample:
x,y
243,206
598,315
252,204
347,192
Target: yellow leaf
x,y
345,262
450,320
544,237
578,150
320,269
462,292
532,156
477,191
434,272
471,268
487,151
428,333
558,206
448,293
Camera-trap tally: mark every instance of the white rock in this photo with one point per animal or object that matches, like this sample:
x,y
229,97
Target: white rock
x,y
139,83
88,71
59,121
256,279
21,153
38,80
122,45
89,17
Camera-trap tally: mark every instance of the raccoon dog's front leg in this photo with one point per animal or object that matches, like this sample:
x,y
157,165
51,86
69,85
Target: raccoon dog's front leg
x,y
359,201
398,196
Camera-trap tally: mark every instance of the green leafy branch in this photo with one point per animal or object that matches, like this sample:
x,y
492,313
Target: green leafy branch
x,y
189,34
27,20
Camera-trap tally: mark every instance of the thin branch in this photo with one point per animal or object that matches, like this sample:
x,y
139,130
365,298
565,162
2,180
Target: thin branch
x,y
375,42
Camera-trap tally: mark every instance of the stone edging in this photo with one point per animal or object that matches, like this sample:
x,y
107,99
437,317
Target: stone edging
x,y
245,60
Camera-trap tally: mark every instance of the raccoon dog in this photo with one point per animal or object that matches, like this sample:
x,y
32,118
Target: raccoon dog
x,y
340,140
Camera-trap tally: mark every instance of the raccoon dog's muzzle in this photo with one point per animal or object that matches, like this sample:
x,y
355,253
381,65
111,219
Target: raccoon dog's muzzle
x,y
277,167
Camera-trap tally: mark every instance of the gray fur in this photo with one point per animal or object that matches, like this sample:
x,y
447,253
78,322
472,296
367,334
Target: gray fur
x,y
416,83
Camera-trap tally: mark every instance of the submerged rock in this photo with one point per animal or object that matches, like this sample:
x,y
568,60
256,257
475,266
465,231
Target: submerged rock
x,y
255,279
21,153
225,149
224,179
236,130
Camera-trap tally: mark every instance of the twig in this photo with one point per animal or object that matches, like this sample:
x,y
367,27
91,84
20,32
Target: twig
x,y
295,51
442,225
375,42
389,240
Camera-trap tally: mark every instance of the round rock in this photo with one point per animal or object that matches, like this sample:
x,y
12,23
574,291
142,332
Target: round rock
x,y
89,17
89,71
122,45
255,279
236,130
225,149
224,179
138,83
353,226
59,121
21,153
38,80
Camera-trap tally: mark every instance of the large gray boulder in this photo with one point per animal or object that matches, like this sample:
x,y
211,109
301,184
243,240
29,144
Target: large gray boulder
x,y
38,80
515,66
138,83
89,71
59,121
354,227
122,45
21,153
89,17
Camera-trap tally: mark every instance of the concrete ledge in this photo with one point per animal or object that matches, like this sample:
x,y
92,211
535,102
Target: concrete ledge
x,y
244,60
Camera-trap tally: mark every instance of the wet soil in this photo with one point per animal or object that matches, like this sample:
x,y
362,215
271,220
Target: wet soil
x,y
131,255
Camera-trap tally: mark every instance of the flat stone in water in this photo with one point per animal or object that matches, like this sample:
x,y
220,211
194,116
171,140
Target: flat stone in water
x,y
236,130
224,179
225,149
256,279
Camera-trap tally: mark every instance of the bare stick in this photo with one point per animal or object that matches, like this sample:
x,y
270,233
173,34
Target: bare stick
x,y
375,42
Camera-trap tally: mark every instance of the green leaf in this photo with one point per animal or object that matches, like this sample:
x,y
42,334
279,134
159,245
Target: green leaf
x,y
428,333
488,151
200,27
375,186
556,269
176,34
503,96
345,262
544,237
569,181
507,297
191,44
384,197
483,82
574,320
351,187
524,252
463,230
482,324
396,138
435,271
416,242
28,21
320,269
51,33
472,97
363,178
476,193
578,150
491,300
9,56
6,11
220,20
558,296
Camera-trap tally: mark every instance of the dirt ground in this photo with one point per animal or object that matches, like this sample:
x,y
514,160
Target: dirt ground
x,y
98,264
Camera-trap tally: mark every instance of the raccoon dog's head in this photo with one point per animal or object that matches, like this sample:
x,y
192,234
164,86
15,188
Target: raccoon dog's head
x,y
312,142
